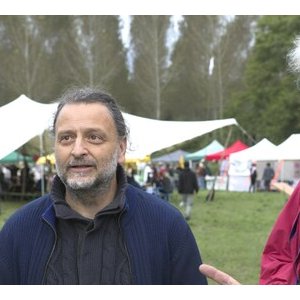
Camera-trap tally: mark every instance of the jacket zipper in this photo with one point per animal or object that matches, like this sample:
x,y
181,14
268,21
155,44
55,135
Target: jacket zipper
x,y
52,251
125,245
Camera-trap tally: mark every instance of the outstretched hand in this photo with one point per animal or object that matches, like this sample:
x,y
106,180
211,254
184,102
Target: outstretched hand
x,y
217,275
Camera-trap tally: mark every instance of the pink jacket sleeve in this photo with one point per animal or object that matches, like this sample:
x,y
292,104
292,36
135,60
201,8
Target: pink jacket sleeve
x,y
280,258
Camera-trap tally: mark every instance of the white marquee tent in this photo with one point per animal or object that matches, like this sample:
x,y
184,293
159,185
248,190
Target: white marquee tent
x,y
149,135
284,158
240,162
287,150
23,119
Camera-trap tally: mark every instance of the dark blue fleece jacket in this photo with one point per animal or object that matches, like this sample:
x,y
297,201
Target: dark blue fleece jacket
x,y
161,246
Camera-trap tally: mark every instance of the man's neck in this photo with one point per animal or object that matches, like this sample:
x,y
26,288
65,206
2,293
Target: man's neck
x,y
88,204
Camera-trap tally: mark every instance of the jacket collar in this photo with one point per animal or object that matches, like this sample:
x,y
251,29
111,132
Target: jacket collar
x,y
57,200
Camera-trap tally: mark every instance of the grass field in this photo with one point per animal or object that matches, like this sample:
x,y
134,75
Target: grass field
x,y
7,208
230,231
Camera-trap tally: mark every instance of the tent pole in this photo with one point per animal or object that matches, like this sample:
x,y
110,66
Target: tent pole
x,y
211,194
42,165
246,133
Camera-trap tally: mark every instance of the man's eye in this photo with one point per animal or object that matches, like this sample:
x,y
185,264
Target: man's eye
x,y
65,138
95,138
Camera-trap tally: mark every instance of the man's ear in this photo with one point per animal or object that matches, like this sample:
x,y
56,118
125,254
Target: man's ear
x,y
122,150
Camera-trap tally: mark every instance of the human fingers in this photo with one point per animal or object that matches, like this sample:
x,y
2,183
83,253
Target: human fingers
x,y
218,276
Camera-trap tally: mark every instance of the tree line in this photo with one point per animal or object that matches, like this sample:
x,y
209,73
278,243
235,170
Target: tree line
x,y
218,67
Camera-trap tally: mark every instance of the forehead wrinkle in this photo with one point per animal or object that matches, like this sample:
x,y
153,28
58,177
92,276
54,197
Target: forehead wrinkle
x,y
83,131
74,117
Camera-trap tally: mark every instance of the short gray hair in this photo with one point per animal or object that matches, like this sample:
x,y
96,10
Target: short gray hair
x,y
90,95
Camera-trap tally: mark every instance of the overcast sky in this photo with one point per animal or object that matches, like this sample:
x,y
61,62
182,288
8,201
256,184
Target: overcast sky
x,y
167,7
173,31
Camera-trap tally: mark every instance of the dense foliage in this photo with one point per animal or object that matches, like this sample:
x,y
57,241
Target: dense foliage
x,y
268,104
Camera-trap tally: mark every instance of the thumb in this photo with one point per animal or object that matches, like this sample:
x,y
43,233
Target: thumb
x,y
217,275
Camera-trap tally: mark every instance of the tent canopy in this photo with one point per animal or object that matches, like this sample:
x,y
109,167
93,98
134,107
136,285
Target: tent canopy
x,y
15,157
21,120
213,147
267,151
287,150
235,147
240,162
146,135
260,151
149,135
170,157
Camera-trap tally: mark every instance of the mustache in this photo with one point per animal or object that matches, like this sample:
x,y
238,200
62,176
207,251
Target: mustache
x,y
81,162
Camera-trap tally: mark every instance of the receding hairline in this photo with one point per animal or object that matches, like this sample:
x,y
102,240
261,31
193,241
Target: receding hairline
x,y
102,105
90,96
95,119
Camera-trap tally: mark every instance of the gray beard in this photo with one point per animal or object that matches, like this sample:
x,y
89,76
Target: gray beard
x,y
87,192
88,195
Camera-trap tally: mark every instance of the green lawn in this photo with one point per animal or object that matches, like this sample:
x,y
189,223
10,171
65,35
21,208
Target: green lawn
x,y
7,208
230,231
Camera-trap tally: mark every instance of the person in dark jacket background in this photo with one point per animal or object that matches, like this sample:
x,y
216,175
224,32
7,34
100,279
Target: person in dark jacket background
x,y
187,187
267,177
94,227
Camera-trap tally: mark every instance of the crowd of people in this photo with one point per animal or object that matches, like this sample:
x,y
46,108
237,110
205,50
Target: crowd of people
x,y
23,177
162,179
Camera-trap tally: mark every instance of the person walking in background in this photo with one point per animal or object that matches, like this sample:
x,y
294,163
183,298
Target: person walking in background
x,y
130,173
165,186
187,187
224,166
201,173
268,175
253,176
94,227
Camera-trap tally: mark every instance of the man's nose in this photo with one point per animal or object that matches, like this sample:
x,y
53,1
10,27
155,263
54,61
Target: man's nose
x,y
79,148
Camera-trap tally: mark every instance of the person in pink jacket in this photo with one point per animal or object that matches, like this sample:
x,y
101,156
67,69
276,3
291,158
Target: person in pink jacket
x,y
280,257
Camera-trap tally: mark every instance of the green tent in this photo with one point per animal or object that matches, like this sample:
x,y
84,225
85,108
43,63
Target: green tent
x,y
15,157
213,147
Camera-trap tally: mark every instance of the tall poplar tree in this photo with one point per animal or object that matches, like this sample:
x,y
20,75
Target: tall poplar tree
x,y
188,92
26,48
231,52
207,65
149,77
94,55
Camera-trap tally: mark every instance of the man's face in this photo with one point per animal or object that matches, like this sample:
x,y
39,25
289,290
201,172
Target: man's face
x,y
87,147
